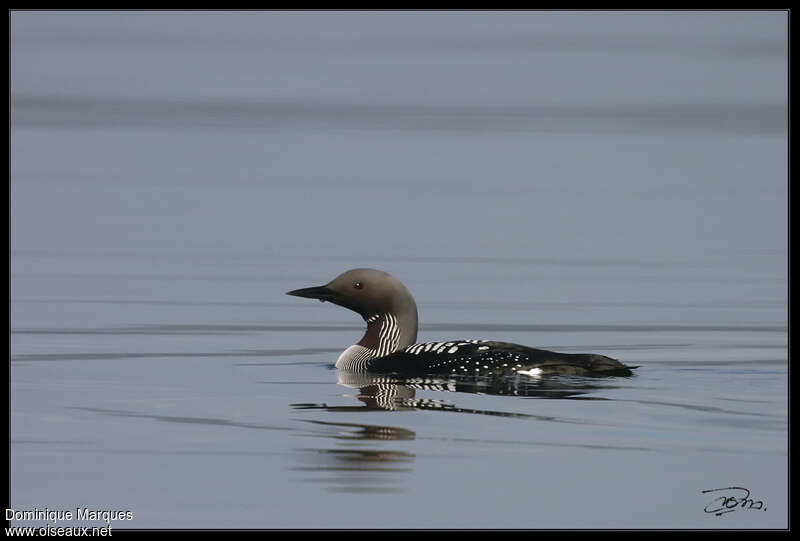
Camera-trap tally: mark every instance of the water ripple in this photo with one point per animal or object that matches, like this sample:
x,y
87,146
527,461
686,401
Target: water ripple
x,y
122,355
454,327
73,112
181,419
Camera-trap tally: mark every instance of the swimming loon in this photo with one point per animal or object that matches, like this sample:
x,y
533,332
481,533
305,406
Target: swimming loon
x,y
389,344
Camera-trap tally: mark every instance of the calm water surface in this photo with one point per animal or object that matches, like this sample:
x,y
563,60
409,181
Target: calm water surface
x,y
552,179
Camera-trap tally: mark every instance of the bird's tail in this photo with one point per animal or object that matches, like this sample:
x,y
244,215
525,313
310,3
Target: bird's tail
x,y
607,366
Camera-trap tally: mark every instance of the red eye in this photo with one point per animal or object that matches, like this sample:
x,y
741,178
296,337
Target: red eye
x,y
358,285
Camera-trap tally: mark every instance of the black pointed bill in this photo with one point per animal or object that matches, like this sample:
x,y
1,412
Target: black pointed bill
x,y
321,292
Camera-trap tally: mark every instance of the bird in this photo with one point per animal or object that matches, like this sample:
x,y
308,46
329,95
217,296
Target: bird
x,y
389,344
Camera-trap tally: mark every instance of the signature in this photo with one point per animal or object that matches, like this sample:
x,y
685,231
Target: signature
x,y
731,499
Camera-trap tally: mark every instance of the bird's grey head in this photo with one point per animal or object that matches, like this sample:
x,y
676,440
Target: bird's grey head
x,y
368,292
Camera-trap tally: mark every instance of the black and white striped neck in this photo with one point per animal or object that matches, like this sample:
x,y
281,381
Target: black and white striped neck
x,y
383,334
382,338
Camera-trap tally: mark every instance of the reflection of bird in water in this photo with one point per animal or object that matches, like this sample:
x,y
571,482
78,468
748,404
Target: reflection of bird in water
x,y
357,431
355,464
356,470
388,345
397,394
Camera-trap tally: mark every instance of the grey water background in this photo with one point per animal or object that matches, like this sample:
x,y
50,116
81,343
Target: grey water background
x,y
608,182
